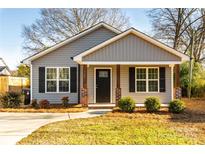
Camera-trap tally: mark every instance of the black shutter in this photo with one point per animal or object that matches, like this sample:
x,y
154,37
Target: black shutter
x,y
132,79
41,86
162,79
73,79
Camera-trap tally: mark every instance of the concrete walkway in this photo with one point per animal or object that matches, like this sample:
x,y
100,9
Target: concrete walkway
x,y
15,126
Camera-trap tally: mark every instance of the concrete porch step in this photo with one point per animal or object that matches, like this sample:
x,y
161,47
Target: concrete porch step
x,y
101,106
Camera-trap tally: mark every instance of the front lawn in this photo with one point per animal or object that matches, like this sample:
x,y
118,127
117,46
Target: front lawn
x,y
123,128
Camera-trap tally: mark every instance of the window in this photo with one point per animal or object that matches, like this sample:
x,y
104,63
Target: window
x,y
153,79
147,79
141,79
103,74
57,79
51,79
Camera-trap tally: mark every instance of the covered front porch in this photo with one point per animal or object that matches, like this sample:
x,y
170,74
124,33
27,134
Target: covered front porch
x,y
104,85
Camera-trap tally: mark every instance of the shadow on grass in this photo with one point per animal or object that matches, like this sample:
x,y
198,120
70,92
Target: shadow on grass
x,y
189,116
98,112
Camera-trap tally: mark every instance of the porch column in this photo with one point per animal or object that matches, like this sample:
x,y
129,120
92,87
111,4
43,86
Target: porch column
x,y
84,89
177,93
172,81
118,88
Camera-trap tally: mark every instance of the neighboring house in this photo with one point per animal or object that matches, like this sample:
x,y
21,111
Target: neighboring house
x,y
4,69
9,83
102,64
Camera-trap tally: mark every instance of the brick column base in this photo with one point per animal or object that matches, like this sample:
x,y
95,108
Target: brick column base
x,y
117,95
178,93
84,97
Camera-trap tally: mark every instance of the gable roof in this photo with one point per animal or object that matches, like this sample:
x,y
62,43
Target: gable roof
x,y
184,57
3,66
79,35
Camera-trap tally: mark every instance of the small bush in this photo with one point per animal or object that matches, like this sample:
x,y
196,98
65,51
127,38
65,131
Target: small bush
x,y
11,100
176,106
44,104
65,101
152,104
34,104
127,104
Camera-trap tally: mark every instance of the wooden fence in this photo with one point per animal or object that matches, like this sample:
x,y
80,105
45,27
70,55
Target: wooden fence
x,y
15,84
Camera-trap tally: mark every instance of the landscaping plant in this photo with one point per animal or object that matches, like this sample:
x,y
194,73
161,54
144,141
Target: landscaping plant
x,y
11,100
65,101
127,104
34,104
176,106
152,104
44,104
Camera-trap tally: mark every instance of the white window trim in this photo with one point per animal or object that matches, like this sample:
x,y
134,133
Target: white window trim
x,y
147,80
57,84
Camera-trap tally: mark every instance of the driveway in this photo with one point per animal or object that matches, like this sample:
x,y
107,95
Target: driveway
x,y
15,126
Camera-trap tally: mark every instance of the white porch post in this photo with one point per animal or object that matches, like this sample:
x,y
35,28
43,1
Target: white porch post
x,y
172,81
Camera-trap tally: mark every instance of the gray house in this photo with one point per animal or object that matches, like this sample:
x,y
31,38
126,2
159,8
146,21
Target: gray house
x,y
102,64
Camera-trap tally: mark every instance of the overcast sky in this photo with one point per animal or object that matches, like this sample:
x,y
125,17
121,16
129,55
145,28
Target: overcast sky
x,y
12,20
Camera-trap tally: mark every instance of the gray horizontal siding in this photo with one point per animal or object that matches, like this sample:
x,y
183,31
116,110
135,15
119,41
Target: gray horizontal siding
x,y
131,48
164,97
62,58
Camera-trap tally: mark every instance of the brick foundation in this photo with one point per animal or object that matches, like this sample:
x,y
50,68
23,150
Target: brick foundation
x,y
117,95
84,97
178,93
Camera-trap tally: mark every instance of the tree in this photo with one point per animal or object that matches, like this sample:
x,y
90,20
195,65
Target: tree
x,y
176,28
198,81
169,24
196,33
183,29
56,25
23,71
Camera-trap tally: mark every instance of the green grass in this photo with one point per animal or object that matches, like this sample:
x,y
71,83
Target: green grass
x,y
115,128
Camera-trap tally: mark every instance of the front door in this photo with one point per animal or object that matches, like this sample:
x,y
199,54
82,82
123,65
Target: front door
x,y
103,83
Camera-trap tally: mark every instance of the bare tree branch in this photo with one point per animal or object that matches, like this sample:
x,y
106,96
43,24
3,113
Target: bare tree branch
x,y
56,25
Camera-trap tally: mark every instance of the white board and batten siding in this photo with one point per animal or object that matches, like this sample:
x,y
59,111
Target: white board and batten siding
x,y
130,49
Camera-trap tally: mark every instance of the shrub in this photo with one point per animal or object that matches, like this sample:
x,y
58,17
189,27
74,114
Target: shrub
x,y
11,100
127,104
176,106
152,104
198,80
34,104
44,104
65,101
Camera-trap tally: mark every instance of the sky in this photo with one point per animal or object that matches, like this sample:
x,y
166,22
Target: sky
x,y
13,20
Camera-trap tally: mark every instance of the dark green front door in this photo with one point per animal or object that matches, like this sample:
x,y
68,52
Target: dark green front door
x,y
103,85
